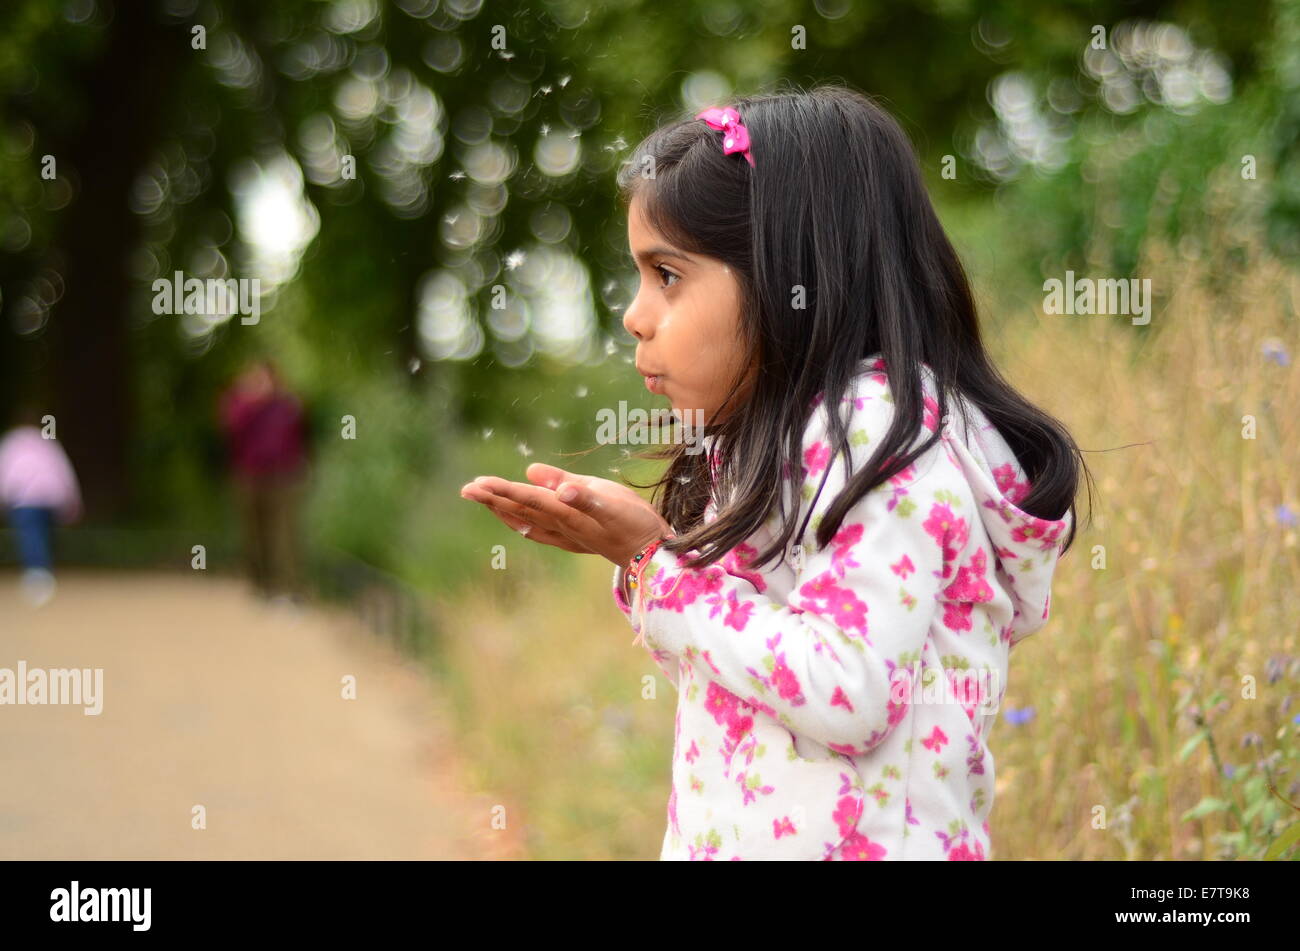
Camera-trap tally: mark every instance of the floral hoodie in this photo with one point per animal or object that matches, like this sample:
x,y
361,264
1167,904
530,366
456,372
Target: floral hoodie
x,y
836,704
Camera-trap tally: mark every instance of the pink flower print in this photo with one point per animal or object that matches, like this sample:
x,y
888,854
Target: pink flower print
x,y
949,532
858,848
840,699
1046,532
899,480
848,611
820,588
737,727
847,812
786,683
896,709
702,853
903,567
931,421
782,826
738,612
956,617
969,585
904,476
720,702
911,819
963,853
966,690
672,811
935,740
715,464
1005,475
740,558
815,458
693,753
708,660
842,546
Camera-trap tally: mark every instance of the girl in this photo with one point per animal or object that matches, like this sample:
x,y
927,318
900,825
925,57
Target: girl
x,y
835,584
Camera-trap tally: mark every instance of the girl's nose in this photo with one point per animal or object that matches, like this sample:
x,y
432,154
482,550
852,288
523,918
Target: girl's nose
x,y
638,326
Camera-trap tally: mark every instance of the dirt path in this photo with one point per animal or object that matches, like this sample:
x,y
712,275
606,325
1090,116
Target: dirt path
x,y
212,698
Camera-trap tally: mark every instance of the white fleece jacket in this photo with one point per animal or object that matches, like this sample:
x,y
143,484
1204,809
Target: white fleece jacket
x,y
837,705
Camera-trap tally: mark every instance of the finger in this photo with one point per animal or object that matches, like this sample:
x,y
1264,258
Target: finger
x,y
540,505
577,496
540,535
539,473
516,515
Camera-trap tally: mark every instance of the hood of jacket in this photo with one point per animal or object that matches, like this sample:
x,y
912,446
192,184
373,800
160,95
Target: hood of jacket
x,y
1026,547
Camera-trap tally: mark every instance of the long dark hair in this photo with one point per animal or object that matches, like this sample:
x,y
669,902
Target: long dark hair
x,y
835,205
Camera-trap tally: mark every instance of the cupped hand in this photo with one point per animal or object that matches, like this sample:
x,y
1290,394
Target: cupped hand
x,y
601,517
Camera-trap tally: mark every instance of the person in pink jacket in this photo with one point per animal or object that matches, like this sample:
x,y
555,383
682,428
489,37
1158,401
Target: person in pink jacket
x,y
836,583
38,489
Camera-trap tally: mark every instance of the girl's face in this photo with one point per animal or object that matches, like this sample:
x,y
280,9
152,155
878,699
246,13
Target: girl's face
x,y
686,319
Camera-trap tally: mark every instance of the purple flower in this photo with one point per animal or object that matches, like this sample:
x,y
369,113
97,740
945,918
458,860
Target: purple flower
x,y
1285,516
1273,350
1229,770
1296,719
1019,717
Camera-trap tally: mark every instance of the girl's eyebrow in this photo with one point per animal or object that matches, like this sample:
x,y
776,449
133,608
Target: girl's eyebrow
x,y
659,251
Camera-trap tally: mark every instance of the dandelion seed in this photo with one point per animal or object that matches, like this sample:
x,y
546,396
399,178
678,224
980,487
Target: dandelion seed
x,y
580,392
514,259
553,423
523,449
487,434
610,347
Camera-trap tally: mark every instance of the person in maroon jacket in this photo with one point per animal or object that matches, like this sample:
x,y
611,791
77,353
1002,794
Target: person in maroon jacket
x,y
266,435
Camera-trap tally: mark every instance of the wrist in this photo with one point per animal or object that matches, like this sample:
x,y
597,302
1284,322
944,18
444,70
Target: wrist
x,y
638,562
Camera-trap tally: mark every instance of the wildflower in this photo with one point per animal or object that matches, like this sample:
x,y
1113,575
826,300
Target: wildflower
x,y
1019,717
1273,350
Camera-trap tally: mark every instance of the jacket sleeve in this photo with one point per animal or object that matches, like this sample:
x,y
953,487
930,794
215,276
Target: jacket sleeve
x,y
823,661
667,661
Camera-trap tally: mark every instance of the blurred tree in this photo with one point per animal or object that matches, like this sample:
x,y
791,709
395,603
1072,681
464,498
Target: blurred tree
x,y
459,120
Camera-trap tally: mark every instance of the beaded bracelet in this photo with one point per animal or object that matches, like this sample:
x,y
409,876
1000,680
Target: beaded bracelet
x,y
640,560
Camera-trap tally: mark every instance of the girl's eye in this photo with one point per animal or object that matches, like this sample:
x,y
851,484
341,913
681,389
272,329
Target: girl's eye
x,y
664,271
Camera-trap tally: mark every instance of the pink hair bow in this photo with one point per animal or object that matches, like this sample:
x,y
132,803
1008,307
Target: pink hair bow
x,y
735,137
